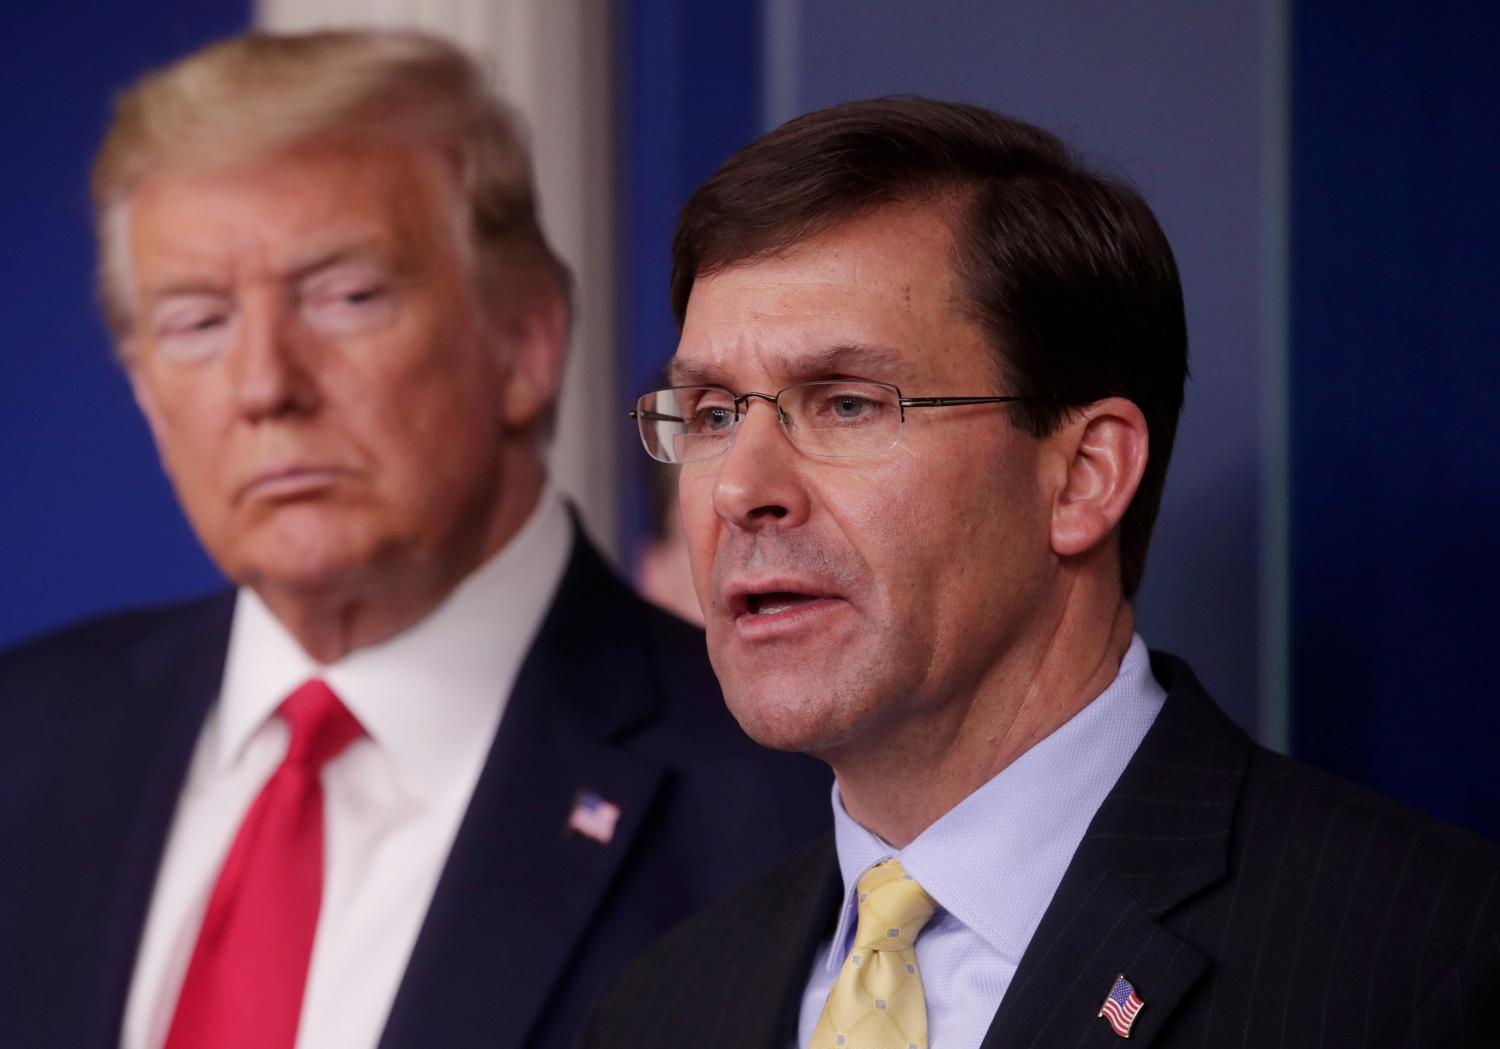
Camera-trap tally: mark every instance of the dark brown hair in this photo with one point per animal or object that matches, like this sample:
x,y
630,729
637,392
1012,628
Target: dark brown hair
x,y
1065,269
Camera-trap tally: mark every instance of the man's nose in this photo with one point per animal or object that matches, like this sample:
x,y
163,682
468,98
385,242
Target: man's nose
x,y
759,483
273,366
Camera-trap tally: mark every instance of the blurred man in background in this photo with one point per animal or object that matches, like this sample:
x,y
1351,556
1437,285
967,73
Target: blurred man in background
x,y
431,771
927,386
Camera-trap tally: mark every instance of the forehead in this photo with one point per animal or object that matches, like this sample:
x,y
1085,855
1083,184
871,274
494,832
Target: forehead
x,y
874,297
278,210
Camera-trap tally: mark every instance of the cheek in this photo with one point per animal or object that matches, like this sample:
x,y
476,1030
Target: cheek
x,y
997,543
939,535
888,517
418,408
187,400
191,423
700,524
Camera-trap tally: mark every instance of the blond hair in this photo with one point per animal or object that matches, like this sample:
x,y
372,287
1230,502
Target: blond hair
x,y
256,94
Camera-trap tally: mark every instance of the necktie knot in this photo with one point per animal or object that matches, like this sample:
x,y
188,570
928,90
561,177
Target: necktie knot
x,y
877,1000
321,725
892,909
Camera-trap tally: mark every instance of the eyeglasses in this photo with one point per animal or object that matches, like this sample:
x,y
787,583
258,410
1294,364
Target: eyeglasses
x,y
827,418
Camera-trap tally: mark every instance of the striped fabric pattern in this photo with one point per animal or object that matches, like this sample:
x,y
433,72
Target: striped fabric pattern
x,y
1253,901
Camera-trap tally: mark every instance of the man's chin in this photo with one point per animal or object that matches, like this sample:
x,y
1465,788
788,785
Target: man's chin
x,y
308,564
782,713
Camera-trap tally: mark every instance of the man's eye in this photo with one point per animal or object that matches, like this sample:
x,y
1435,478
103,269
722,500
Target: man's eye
x,y
189,317
348,306
360,296
711,419
191,331
844,408
193,325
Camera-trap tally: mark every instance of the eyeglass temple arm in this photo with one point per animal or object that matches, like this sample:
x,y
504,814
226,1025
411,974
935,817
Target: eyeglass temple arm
x,y
656,417
943,402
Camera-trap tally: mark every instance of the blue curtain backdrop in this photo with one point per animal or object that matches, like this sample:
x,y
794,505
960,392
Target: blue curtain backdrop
x,y
86,520
1395,370
690,76
1395,479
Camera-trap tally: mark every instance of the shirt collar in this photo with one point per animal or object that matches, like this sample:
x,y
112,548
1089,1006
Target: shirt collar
x,y
430,697
995,859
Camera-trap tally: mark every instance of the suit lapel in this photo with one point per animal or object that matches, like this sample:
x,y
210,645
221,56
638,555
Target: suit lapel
x,y
1161,836
143,755
520,888
791,934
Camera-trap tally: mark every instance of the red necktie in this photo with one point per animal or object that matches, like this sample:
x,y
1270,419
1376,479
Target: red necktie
x,y
243,988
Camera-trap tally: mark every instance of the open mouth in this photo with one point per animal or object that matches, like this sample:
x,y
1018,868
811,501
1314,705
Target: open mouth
x,y
773,614
774,601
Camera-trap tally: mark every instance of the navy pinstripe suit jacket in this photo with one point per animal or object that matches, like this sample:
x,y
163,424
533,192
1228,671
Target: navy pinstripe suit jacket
x,y
1253,902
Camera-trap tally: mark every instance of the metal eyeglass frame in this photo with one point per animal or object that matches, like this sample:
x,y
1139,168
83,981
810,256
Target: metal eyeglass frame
x,y
742,400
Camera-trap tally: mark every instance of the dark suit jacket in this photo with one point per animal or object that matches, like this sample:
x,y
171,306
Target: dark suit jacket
x,y
97,725
1252,901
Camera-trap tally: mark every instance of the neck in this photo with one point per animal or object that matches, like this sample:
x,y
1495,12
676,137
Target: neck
x,y
1047,679
378,601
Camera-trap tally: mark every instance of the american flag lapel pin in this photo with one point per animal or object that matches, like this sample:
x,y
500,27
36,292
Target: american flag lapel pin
x,y
1121,1007
593,817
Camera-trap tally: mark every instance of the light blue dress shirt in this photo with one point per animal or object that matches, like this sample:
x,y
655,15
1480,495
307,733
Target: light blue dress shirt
x,y
994,861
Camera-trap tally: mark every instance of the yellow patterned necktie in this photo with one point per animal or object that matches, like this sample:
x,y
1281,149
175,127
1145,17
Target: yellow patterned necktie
x,y
877,1001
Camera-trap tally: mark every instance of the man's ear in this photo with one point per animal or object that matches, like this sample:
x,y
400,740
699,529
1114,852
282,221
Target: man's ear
x,y
1106,445
536,342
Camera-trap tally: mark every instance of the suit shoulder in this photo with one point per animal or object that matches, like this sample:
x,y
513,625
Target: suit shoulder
x,y
1286,804
1323,799
1338,911
1372,895
104,631
83,650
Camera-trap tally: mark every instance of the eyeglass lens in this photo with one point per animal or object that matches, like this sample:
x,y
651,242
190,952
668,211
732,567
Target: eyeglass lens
x,y
832,418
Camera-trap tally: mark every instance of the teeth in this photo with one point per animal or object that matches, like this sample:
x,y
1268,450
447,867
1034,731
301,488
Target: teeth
x,y
769,604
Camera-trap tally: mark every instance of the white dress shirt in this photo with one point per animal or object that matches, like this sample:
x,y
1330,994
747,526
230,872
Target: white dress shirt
x,y
994,861
430,700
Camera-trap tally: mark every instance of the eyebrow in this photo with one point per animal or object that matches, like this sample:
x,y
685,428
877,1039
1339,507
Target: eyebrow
x,y
841,360
172,289
336,252
321,257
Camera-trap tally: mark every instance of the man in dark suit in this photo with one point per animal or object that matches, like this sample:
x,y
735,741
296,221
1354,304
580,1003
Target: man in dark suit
x,y
916,561
432,772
